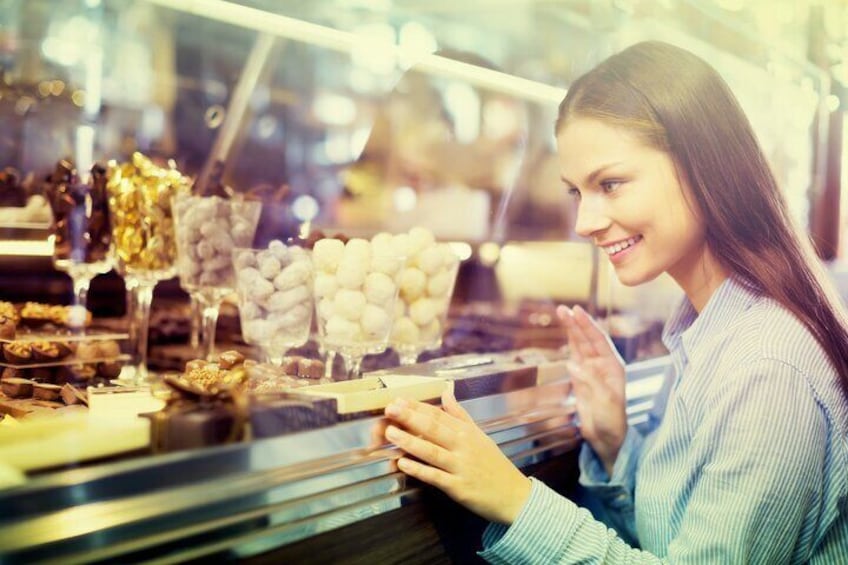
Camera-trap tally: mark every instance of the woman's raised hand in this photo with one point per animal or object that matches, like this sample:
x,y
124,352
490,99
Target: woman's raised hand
x,y
446,449
598,379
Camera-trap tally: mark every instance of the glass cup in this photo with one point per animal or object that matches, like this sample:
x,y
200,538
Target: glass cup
x,y
275,297
81,231
208,228
426,287
355,293
140,198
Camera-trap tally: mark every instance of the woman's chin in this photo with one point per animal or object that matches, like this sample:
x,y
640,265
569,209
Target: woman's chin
x,y
628,276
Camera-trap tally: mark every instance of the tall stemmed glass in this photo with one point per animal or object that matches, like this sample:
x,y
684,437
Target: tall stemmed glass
x,y
208,228
355,293
81,229
426,287
275,297
140,196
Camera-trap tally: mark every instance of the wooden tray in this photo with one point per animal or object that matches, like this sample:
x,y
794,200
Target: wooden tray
x,y
375,393
69,439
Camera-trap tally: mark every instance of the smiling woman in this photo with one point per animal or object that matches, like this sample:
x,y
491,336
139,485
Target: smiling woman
x,y
748,462
633,205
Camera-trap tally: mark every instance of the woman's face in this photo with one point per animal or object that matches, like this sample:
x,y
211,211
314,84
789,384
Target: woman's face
x,y
631,203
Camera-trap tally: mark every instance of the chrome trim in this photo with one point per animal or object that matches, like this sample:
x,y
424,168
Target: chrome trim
x,y
268,492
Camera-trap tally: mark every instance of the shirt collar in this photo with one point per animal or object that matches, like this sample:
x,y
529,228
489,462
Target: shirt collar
x,y
686,328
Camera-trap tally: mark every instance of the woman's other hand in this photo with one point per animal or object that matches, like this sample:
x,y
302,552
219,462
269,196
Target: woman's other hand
x,y
454,455
598,381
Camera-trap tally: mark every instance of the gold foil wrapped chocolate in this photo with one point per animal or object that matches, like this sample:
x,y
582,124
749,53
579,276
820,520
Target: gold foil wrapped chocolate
x,y
140,199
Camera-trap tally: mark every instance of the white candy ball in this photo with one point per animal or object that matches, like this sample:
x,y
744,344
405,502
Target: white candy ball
x,y
299,315
296,274
326,308
243,233
420,239
298,254
451,259
341,329
381,241
244,259
258,331
430,259
375,322
260,289
351,275
270,267
282,300
439,284
247,275
388,264
222,241
358,250
250,310
399,309
401,245
432,332
404,330
422,311
205,249
279,250
327,254
412,284
379,288
325,285
349,304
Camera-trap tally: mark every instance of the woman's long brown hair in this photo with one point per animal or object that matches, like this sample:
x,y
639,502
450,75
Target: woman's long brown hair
x,y
678,103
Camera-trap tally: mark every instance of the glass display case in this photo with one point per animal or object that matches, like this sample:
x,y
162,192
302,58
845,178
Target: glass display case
x,y
341,119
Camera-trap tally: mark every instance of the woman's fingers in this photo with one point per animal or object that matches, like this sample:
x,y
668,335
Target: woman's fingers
x,y
571,333
378,434
452,407
597,339
422,449
424,420
581,336
425,473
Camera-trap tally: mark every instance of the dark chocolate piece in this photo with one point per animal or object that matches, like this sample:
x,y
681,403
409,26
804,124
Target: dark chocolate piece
x,y
13,373
42,374
73,395
17,388
46,391
229,359
276,414
109,369
109,348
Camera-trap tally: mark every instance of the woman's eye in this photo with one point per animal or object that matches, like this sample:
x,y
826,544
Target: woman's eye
x,y
574,192
610,185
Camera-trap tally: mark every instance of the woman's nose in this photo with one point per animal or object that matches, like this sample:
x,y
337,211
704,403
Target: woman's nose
x,y
592,216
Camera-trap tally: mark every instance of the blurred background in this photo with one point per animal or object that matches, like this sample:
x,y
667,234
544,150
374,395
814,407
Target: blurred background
x,y
360,116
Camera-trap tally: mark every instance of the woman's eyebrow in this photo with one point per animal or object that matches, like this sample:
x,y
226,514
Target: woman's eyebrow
x,y
590,178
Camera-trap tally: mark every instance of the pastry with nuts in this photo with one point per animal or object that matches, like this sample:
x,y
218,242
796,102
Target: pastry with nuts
x,y
17,352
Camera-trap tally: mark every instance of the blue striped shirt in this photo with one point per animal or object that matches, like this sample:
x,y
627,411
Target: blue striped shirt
x,y
749,463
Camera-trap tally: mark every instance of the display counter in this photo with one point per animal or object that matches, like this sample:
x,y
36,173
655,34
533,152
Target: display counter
x,y
317,496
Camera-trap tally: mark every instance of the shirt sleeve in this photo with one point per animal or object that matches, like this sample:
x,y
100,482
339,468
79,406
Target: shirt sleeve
x,y
747,506
615,493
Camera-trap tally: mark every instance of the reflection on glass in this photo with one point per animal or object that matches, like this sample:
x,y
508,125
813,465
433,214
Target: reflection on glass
x,y
208,228
275,297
